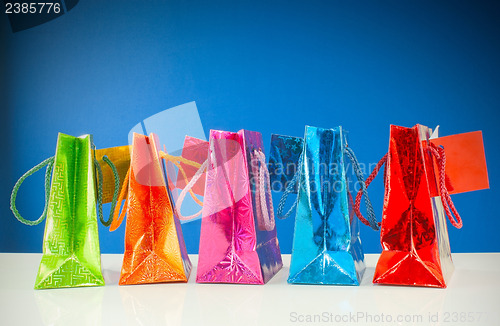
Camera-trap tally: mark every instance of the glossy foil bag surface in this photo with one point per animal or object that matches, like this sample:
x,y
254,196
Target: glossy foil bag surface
x,y
155,251
238,242
326,244
71,254
414,234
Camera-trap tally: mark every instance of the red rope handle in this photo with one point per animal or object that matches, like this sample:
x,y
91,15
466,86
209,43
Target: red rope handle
x,y
448,205
370,178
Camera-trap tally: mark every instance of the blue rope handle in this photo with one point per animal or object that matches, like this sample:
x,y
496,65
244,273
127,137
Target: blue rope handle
x,y
361,179
116,177
49,163
289,189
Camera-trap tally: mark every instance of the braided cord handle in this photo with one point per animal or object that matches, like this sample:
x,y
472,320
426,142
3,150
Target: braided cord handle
x,y
448,205
176,160
360,193
289,189
117,215
264,213
446,200
50,164
372,220
99,189
182,195
120,212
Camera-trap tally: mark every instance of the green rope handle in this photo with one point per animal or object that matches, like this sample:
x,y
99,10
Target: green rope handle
x,y
50,164
116,177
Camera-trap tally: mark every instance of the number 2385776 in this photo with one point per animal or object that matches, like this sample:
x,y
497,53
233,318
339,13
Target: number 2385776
x,y
32,7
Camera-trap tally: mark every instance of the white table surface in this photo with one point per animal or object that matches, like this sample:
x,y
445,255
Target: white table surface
x,y
472,298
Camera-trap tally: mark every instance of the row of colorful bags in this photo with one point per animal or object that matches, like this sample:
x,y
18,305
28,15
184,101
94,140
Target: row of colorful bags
x,y
228,176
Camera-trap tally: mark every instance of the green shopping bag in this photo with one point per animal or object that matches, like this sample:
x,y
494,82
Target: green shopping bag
x,y
71,254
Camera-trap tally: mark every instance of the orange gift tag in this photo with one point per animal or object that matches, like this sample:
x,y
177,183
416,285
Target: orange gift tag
x,y
465,162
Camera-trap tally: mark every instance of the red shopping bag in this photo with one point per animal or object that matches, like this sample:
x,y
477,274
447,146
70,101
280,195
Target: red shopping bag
x,y
420,174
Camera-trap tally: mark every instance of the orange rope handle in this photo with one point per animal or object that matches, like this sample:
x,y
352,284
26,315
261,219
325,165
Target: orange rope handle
x,y
175,160
199,202
123,192
181,159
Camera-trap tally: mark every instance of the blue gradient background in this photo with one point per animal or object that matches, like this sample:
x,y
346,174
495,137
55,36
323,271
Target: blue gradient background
x,y
268,66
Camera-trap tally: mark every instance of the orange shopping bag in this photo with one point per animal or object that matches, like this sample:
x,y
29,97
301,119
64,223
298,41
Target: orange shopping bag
x,y
155,251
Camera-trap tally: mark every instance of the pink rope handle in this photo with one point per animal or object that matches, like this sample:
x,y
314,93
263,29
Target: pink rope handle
x,y
448,205
370,178
264,213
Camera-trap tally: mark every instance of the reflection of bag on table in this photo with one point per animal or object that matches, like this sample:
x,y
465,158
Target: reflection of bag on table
x,y
154,246
238,242
71,254
414,235
326,244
